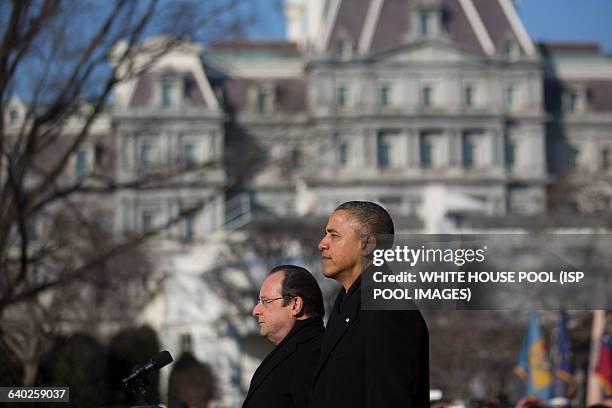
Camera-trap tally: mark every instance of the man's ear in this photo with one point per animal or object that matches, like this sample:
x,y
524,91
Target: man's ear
x,y
297,307
368,244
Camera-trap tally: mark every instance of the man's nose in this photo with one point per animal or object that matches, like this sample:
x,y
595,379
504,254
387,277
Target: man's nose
x,y
322,244
256,311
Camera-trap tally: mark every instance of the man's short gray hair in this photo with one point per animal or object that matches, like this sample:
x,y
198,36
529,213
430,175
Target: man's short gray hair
x,y
373,218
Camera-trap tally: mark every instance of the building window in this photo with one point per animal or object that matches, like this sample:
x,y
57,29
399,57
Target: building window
x,y
166,94
606,160
342,48
511,50
189,156
508,49
468,96
510,154
343,154
467,151
424,24
572,102
81,162
296,158
573,154
262,102
13,116
341,96
384,93
509,96
147,221
146,155
383,151
99,153
189,231
426,96
426,150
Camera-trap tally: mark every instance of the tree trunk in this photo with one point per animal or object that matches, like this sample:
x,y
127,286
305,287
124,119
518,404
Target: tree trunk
x,y
29,373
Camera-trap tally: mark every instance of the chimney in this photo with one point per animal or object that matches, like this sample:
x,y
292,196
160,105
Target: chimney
x,y
295,20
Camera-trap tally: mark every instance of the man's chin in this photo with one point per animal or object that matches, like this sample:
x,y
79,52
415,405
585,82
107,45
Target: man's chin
x,y
329,273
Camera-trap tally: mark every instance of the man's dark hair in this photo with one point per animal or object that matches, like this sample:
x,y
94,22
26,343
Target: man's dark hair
x,y
374,220
299,282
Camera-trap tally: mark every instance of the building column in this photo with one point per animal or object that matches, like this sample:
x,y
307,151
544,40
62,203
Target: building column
x,y
489,148
413,147
537,150
499,148
455,150
370,156
444,152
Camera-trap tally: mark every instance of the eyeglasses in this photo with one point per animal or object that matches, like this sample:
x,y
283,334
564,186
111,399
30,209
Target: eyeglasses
x,y
265,302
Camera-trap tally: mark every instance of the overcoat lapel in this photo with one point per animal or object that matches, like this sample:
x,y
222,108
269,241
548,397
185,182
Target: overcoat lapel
x,y
264,370
335,332
276,357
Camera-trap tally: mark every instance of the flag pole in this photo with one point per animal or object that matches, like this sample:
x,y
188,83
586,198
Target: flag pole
x,y
594,391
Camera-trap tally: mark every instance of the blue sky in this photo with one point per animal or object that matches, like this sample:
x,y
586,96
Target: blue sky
x,y
569,20
549,20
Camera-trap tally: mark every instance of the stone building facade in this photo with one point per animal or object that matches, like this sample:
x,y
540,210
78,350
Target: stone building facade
x,y
409,103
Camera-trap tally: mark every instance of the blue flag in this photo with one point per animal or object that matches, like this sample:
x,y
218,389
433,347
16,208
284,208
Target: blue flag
x,y
563,385
533,365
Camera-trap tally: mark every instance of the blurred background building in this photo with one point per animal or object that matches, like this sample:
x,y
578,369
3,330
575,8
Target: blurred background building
x,y
444,111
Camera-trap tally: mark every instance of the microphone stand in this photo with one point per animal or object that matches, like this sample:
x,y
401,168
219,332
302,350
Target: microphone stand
x,y
137,382
138,385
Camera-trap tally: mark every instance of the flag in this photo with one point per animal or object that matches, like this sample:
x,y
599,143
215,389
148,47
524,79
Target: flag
x,y
603,370
533,365
563,384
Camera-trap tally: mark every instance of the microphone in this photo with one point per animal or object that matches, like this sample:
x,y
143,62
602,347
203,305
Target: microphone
x,y
159,360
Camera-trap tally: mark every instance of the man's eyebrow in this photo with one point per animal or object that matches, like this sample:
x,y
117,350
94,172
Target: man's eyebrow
x,y
331,230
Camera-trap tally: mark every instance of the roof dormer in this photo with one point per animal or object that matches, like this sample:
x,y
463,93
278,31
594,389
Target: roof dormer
x,y
511,48
426,21
169,88
14,112
342,47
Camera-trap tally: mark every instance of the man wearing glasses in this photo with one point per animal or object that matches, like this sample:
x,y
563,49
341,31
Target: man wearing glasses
x,y
290,312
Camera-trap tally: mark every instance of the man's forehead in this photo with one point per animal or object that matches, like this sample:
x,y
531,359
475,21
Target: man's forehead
x,y
343,219
272,284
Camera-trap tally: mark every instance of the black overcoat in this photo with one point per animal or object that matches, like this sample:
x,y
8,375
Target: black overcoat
x,y
372,358
284,378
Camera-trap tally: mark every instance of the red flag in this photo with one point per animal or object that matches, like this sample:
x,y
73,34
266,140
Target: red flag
x,y
603,371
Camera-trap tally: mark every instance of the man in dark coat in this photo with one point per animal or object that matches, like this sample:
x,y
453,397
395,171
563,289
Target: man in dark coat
x,y
374,359
290,312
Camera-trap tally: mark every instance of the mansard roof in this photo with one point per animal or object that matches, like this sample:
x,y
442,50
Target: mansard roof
x,y
143,91
253,45
289,93
571,47
580,66
181,65
99,144
349,22
599,92
485,26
